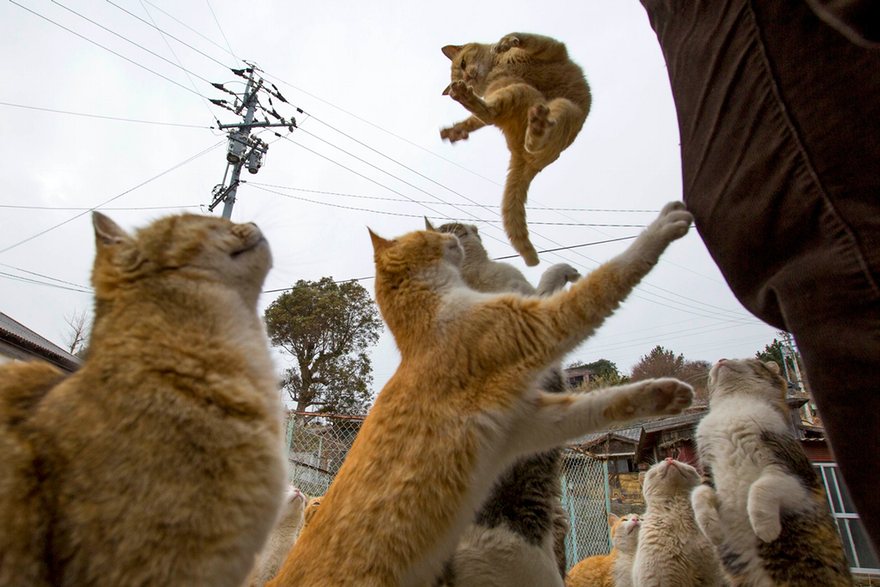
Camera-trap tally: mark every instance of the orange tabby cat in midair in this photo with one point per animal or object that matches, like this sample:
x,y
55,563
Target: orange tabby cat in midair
x,y
464,405
161,461
527,86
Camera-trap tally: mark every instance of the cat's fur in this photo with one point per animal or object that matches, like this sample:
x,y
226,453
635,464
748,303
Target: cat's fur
x,y
283,535
520,531
527,86
762,504
463,406
615,568
672,551
483,274
159,462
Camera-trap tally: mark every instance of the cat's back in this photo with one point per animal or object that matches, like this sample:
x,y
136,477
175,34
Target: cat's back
x,y
594,571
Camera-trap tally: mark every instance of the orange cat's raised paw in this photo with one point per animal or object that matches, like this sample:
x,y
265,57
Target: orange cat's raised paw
x,y
454,133
663,396
539,127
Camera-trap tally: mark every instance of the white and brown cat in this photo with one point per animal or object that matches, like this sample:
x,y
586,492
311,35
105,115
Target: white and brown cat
x,y
761,503
281,539
159,462
527,86
672,550
463,406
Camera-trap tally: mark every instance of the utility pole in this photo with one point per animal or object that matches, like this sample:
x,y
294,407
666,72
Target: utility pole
x,y
244,150
789,352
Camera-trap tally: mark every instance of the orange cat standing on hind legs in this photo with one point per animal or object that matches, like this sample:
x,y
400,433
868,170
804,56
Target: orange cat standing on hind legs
x,y
463,405
527,86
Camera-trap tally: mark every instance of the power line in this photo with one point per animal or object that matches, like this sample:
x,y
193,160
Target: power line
x,y
121,208
169,35
34,273
38,282
484,206
128,191
220,28
46,18
116,118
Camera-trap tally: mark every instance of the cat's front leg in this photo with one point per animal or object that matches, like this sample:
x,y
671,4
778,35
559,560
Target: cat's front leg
x,y
773,490
506,43
464,95
704,500
460,131
560,417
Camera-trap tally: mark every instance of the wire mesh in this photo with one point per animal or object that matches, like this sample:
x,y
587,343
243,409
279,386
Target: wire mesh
x,y
585,499
317,446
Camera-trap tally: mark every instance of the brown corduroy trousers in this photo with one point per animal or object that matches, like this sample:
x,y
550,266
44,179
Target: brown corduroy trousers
x,y
779,115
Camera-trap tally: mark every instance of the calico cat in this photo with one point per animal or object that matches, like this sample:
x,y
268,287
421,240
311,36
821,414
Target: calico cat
x,y
528,87
483,274
463,406
615,568
522,524
159,462
762,505
283,535
672,551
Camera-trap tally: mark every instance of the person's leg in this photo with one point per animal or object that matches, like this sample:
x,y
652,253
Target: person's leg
x,y
779,117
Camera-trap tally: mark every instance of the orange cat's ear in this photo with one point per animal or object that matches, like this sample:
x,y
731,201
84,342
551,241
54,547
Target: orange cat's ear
x,y
429,226
773,366
107,232
379,243
446,90
612,519
451,51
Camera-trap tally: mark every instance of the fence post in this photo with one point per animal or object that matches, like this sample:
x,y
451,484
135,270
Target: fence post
x,y
607,497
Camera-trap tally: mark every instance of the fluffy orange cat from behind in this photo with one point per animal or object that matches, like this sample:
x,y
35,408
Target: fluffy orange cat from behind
x,y
463,405
528,87
615,568
159,462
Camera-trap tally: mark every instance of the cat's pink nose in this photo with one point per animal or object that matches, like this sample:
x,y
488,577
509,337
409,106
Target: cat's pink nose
x,y
669,459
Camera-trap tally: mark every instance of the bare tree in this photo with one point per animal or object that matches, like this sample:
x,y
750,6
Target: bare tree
x,y
80,329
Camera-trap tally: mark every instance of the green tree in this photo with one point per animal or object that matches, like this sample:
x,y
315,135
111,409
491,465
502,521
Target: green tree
x,y
327,328
772,352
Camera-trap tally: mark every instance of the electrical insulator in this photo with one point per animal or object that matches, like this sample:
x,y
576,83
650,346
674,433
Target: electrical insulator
x,y
255,158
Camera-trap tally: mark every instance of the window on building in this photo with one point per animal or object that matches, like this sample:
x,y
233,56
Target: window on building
x,y
855,540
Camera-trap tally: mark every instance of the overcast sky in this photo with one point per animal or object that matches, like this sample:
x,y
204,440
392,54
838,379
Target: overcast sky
x,y
368,76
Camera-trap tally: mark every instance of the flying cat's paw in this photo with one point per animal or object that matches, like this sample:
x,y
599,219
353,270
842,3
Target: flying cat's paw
x,y
539,128
673,222
454,133
506,43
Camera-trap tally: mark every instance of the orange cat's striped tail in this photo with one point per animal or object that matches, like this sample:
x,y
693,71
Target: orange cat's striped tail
x,y
513,209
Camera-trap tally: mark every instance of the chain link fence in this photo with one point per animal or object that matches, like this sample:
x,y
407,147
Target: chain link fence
x,y
318,444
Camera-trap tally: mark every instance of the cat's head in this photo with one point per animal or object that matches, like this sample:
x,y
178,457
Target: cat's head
x,y
294,506
468,234
669,478
471,64
625,532
202,249
414,253
747,377
311,509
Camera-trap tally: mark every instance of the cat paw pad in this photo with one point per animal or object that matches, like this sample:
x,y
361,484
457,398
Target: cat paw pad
x,y
671,396
540,124
453,134
506,43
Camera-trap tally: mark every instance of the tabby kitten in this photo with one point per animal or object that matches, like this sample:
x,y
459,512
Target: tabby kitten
x,y
463,406
483,274
615,568
528,87
522,525
160,462
762,505
283,535
672,551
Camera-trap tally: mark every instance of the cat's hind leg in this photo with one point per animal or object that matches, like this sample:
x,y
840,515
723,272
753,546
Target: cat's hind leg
x,y
553,127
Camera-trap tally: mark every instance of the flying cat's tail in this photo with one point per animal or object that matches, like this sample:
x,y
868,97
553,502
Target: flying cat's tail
x,y
513,209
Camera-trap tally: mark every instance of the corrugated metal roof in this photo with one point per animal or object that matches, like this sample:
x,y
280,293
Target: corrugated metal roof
x,y
674,421
632,433
16,333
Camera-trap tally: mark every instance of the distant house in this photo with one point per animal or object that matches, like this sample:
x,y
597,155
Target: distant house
x,y
577,376
20,343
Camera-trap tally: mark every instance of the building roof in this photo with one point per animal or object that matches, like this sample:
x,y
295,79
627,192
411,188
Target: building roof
x,y
22,337
632,433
